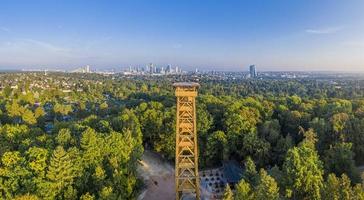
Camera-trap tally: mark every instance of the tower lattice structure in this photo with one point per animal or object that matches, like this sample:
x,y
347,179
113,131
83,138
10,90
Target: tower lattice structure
x,y
186,169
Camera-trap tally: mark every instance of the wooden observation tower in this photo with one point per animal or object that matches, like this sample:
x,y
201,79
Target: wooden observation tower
x,y
186,170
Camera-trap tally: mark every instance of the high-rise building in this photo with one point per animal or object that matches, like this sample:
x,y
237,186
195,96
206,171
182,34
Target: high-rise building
x,y
253,71
151,68
168,69
87,69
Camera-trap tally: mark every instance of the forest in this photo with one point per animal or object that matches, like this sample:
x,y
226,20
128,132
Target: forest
x,y
80,136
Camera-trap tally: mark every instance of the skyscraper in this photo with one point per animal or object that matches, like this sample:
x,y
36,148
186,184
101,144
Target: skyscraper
x,y
168,69
151,68
253,71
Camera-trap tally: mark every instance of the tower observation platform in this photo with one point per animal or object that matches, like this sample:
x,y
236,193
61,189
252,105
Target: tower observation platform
x,y
186,169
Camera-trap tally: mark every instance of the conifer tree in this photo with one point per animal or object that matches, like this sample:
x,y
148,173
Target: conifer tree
x,y
244,191
228,194
28,117
346,191
60,172
303,170
63,137
358,191
251,174
267,187
331,189
39,112
91,145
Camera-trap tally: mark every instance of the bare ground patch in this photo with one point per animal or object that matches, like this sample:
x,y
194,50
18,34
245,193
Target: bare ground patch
x,y
158,176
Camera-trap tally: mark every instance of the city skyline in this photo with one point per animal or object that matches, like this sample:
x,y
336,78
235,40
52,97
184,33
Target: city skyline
x,y
227,36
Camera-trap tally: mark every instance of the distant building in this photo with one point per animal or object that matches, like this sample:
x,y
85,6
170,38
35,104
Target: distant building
x,y
168,69
85,69
152,68
146,69
253,71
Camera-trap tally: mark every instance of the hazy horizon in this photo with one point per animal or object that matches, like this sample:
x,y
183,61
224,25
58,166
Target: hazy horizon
x,y
184,68
275,35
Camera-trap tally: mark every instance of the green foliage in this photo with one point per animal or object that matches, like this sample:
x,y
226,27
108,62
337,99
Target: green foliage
x,y
37,160
64,137
91,144
204,119
39,112
60,173
26,197
228,194
216,147
303,172
339,159
341,188
339,122
87,196
127,120
244,191
250,174
331,188
85,144
14,109
151,117
104,106
28,117
356,137
61,109
267,187
294,102
241,120
14,177
60,168
256,147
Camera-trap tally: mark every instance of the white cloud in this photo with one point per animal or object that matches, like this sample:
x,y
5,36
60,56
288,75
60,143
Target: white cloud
x,y
328,30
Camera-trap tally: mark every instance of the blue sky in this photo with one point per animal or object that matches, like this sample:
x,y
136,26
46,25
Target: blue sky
x,y
208,34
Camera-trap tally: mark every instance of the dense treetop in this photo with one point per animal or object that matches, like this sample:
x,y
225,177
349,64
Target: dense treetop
x,y
79,136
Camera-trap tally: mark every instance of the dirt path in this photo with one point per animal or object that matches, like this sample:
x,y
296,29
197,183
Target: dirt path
x,y
158,176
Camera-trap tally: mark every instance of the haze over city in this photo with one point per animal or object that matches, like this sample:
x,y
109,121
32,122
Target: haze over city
x,y
276,35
